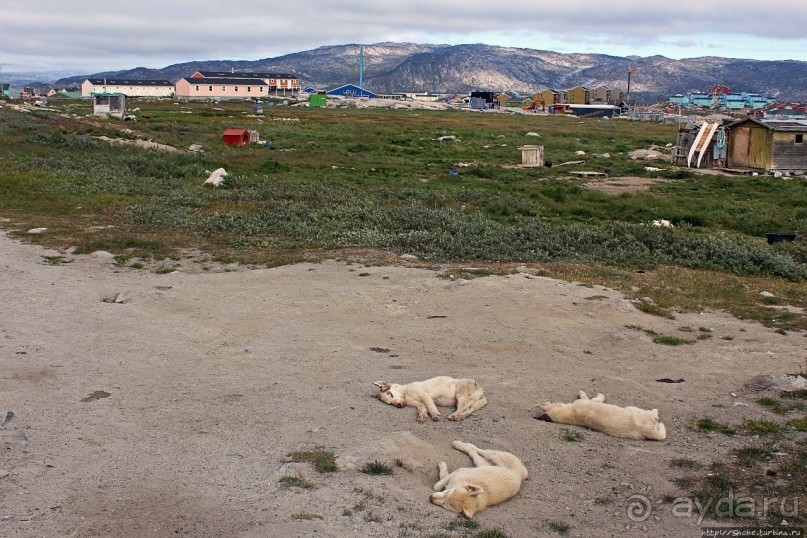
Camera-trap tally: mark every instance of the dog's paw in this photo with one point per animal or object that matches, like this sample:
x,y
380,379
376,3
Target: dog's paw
x,y
422,417
437,417
456,417
459,445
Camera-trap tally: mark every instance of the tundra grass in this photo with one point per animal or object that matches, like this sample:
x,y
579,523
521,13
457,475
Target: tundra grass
x,y
324,461
379,179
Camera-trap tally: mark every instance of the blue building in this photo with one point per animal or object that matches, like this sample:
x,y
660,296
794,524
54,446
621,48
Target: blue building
x,y
351,90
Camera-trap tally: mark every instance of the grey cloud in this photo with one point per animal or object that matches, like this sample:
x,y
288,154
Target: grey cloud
x,y
156,33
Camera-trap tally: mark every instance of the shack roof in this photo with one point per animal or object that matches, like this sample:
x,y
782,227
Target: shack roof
x,y
216,80
127,82
255,74
775,125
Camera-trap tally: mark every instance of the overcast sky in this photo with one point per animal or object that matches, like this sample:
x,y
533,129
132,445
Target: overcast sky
x,y
84,37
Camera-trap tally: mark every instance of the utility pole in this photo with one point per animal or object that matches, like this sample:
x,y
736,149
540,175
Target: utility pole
x,y
630,72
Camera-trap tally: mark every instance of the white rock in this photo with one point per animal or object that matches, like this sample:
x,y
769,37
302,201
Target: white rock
x,y
37,230
766,294
531,133
217,177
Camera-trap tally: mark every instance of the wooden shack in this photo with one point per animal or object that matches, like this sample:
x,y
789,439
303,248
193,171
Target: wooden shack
x,y
532,155
701,146
109,104
768,146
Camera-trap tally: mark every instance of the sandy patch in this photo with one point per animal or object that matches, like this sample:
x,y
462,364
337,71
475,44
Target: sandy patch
x,y
173,413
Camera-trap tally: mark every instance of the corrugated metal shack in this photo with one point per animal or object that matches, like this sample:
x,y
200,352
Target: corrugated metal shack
x,y
768,146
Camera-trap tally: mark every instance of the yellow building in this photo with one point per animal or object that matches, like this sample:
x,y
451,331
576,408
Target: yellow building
x,y
579,95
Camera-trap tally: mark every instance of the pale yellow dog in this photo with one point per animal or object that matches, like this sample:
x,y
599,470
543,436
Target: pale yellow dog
x,y
444,391
496,477
624,422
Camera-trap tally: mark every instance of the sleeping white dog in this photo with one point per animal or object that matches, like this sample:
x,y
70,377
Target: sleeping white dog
x,y
624,422
496,478
444,391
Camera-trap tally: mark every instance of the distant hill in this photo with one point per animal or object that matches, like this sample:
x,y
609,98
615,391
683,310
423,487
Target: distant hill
x,y
396,67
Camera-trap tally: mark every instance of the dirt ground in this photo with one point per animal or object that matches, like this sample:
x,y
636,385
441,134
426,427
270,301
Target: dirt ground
x,y
624,185
174,411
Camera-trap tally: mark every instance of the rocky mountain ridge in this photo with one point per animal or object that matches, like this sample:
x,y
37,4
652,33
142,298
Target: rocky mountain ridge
x,y
397,67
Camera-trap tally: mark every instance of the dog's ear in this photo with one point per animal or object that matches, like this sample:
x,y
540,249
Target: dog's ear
x,y
382,385
473,490
468,512
544,417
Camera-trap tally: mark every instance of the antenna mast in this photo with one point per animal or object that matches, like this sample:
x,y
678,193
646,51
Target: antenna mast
x,y
361,67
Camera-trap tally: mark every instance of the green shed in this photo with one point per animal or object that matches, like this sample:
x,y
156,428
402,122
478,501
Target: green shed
x,y
317,100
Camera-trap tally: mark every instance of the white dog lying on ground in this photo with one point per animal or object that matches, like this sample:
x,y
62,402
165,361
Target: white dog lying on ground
x,y
444,391
625,422
496,478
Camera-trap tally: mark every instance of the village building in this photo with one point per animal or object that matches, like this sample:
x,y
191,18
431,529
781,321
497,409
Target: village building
x,y
768,146
606,95
510,99
579,95
221,88
129,88
351,90
277,83
547,97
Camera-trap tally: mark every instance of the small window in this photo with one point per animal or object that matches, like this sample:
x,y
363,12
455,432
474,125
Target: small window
x,y
236,88
249,89
224,88
799,138
210,88
197,88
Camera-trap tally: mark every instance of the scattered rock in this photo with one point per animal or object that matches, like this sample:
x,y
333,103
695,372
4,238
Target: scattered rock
x,y
114,297
763,382
766,294
663,223
647,155
448,138
102,254
96,395
36,231
408,257
195,147
623,305
3,473
579,152
531,133
5,416
217,177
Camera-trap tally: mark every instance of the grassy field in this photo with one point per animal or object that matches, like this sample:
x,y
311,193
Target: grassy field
x,y
336,179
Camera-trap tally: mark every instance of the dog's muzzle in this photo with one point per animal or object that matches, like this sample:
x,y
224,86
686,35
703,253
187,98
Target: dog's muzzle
x,y
399,405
